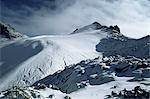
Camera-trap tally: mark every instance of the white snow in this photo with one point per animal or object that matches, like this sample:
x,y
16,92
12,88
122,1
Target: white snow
x,y
100,91
90,92
31,59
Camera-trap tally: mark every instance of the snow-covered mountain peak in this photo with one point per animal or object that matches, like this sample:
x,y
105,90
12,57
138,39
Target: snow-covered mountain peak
x,y
87,28
97,26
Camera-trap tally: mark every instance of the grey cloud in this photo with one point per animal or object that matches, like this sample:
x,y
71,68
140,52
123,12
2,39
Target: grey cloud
x,y
62,17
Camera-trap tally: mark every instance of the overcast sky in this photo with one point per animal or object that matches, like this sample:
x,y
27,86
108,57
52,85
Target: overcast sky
x,y
38,17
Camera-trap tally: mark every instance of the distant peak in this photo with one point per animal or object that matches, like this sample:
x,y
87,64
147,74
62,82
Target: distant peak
x,y
97,26
96,23
93,26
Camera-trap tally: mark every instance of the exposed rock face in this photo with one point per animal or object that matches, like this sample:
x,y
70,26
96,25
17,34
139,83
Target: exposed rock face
x,y
98,25
117,28
121,45
78,76
136,93
114,29
9,32
96,72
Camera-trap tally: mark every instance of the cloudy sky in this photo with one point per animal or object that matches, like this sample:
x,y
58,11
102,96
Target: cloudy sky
x,y
38,17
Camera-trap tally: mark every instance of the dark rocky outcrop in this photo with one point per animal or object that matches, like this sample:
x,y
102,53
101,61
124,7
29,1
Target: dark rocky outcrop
x,y
8,32
124,46
77,76
114,29
136,93
98,25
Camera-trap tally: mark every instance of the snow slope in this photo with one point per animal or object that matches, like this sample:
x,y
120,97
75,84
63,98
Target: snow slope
x,y
27,60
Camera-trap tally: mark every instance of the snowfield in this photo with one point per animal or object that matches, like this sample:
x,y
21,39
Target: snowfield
x,y
27,60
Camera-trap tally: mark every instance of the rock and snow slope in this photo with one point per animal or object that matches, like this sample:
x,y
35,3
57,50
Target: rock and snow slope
x,y
124,46
29,59
92,79
97,72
